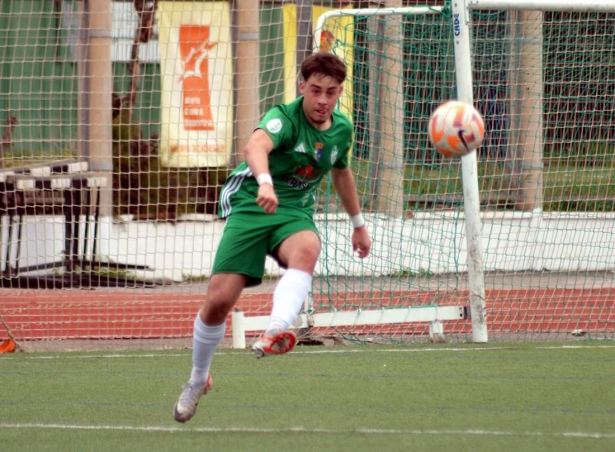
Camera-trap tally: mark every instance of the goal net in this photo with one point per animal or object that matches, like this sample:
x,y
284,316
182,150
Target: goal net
x,y
125,207
542,79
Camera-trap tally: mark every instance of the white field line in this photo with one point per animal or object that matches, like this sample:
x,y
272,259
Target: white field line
x,y
66,355
363,431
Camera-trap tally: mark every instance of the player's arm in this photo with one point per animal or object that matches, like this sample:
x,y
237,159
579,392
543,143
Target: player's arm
x,y
257,153
346,189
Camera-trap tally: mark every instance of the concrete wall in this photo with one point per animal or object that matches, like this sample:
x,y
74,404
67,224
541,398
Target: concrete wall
x,y
431,243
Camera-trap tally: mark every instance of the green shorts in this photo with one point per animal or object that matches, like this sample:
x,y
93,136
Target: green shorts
x,y
248,238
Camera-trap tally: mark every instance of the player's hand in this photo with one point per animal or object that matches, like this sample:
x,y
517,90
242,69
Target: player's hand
x,y
361,243
267,198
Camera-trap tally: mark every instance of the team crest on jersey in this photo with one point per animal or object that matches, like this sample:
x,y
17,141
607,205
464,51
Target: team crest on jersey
x,y
318,150
334,153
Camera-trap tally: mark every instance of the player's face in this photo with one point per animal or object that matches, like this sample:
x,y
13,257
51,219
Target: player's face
x,y
321,93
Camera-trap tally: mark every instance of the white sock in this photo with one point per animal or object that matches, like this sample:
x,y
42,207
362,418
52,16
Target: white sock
x,y
204,343
288,298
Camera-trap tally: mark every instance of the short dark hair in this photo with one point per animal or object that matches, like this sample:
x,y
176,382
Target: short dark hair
x,y
326,64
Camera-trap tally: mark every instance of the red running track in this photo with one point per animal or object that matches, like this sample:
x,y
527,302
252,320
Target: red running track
x,y
75,314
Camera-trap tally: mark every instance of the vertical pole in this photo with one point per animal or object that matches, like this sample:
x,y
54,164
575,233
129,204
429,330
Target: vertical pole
x,y
529,94
101,81
304,33
83,81
238,330
476,283
247,73
391,91
375,52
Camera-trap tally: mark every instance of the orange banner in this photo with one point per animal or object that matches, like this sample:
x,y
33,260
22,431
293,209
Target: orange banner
x,y
197,81
194,47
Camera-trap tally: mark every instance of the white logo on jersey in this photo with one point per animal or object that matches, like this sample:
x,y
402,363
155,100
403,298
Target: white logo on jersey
x,y
305,199
274,125
300,148
334,153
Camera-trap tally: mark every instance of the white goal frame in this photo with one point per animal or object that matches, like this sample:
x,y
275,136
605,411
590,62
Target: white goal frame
x,y
463,68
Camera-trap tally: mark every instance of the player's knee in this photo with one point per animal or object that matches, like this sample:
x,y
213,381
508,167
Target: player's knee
x,y
306,253
216,309
313,250
223,292
216,313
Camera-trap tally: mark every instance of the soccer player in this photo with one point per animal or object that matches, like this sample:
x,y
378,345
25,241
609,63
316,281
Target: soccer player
x,y
268,203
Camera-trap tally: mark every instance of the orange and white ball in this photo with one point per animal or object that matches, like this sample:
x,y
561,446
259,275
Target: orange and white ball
x,y
456,129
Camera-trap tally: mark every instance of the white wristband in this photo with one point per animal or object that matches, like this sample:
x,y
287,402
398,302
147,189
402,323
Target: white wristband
x,y
357,221
264,178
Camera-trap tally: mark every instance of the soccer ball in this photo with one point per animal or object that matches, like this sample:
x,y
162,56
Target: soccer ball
x,y
456,129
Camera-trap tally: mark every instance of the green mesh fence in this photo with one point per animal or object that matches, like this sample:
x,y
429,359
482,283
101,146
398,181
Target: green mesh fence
x,y
544,82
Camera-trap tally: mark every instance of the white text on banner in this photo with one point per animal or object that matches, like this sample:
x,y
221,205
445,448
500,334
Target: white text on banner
x,y
197,80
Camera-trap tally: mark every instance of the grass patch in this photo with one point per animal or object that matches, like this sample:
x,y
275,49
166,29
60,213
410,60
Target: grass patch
x,y
467,397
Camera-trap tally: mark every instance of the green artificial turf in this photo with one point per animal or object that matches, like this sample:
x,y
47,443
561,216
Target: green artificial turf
x,y
468,397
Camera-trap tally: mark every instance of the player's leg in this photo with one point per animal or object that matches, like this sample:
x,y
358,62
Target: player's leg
x,y
239,262
209,328
298,253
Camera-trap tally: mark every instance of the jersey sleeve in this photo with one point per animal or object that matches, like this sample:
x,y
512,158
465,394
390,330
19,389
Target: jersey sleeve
x,y
278,126
344,159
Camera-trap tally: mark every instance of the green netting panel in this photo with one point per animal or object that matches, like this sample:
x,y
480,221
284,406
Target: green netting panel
x,y
579,111
272,56
543,82
146,112
38,80
571,86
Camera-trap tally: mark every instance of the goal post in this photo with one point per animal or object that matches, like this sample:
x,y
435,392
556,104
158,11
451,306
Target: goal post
x,y
469,166
604,6
469,177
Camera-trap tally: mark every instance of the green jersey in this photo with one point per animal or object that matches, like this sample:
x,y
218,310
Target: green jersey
x,y
302,156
